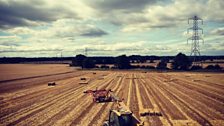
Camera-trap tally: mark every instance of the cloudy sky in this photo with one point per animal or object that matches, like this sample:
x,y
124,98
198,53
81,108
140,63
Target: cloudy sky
x,y
46,28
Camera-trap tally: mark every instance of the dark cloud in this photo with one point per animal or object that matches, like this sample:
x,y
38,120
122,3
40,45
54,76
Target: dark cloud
x,y
7,21
94,32
79,30
125,5
17,13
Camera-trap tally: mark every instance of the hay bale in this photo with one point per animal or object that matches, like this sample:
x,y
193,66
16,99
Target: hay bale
x,y
51,83
150,113
195,80
82,78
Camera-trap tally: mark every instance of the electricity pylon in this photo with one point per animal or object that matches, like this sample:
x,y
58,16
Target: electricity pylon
x,y
196,37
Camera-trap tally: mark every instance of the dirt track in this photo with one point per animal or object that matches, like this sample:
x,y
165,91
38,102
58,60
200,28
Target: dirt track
x,y
182,98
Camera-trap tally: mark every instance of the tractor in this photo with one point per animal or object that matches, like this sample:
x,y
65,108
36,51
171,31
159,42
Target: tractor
x,y
122,116
102,95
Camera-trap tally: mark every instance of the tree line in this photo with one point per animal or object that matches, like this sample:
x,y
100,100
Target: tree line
x,y
179,62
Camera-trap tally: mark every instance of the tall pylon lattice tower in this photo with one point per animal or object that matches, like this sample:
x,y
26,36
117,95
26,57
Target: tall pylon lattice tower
x,y
196,37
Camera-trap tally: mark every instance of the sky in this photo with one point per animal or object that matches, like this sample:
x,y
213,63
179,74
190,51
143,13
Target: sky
x,y
51,28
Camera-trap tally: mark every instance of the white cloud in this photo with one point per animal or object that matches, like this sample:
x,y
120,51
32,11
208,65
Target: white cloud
x,y
113,46
214,10
170,15
218,31
63,28
9,37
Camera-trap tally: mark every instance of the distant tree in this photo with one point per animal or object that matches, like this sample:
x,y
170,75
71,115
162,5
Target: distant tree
x,y
165,59
181,62
217,67
78,60
122,62
150,67
143,67
88,63
209,67
104,66
135,66
162,64
213,67
113,67
196,67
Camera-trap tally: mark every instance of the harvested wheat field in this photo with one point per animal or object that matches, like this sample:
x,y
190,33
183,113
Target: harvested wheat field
x,y
183,98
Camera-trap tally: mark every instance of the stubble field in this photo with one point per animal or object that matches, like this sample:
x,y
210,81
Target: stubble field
x,y
183,98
